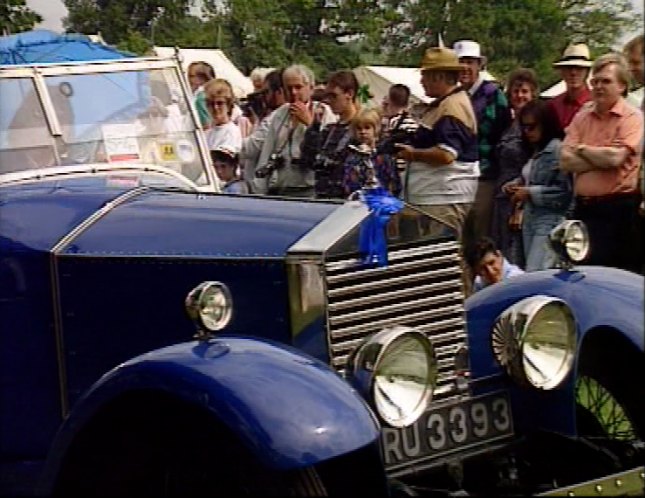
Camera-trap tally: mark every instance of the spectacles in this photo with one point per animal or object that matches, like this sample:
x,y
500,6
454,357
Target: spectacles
x,y
528,126
218,103
600,81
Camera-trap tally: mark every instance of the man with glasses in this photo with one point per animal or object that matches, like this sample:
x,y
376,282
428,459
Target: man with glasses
x,y
602,148
274,96
279,162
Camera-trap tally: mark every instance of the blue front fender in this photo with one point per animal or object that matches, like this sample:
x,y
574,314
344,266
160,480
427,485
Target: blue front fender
x,y
599,297
289,409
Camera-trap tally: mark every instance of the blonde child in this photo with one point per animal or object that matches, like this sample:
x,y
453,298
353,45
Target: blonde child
x,y
365,127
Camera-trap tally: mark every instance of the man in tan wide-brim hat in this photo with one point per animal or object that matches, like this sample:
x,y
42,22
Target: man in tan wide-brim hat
x,y
574,67
441,178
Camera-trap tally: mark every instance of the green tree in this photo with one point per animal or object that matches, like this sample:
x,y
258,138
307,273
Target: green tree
x,y
250,39
324,34
599,23
160,22
16,17
512,33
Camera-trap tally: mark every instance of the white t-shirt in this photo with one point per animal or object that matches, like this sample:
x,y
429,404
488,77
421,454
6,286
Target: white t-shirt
x,y
226,135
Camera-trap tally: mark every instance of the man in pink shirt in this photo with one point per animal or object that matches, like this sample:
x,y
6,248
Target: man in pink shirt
x,y
574,70
602,148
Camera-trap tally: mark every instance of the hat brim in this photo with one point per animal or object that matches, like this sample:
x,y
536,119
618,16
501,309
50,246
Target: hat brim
x,y
456,67
573,63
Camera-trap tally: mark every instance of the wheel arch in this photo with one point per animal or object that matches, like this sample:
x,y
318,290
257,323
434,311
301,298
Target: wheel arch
x,y
616,361
609,342
288,410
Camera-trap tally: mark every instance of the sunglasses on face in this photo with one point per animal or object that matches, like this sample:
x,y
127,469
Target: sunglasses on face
x,y
216,103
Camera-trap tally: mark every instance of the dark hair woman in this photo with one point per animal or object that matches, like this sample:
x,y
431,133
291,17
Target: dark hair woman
x,y
522,88
543,190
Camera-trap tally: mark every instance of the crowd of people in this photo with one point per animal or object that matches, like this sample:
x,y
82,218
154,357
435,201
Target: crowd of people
x,y
497,163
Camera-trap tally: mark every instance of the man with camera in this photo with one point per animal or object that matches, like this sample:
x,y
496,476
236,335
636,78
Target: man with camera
x,y
272,97
279,166
400,123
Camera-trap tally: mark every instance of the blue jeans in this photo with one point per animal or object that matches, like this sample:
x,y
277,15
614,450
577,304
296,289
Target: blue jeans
x,y
536,226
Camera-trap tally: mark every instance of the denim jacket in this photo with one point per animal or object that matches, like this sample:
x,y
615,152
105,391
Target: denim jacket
x,y
550,188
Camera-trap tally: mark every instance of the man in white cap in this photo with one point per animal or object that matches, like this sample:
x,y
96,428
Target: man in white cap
x,y
493,117
574,69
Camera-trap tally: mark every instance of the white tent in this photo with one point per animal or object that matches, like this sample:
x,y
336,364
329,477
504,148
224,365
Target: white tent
x,y
380,78
223,66
558,88
554,90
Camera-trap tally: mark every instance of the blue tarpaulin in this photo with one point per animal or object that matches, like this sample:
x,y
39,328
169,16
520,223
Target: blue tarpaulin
x,y
90,98
43,46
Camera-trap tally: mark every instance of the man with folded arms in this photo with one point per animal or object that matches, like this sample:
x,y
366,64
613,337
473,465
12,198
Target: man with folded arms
x,y
602,148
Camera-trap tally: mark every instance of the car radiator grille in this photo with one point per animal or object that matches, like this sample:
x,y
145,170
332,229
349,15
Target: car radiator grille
x,y
421,287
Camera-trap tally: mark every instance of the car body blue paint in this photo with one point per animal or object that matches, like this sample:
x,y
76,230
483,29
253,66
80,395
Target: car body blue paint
x,y
598,297
154,223
290,410
122,283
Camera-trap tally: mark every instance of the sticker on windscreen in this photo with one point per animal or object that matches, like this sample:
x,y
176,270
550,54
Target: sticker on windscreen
x,y
185,151
167,152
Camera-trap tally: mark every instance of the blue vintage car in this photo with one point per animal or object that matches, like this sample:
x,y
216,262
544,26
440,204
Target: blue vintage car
x,y
161,338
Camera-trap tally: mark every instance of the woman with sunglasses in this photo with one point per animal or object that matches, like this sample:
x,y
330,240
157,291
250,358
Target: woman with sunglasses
x,y
522,88
223,131
543,189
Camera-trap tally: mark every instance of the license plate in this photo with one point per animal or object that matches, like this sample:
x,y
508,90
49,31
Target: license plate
x,y
448,428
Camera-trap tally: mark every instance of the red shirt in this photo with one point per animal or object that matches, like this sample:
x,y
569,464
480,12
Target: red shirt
x,y
623,124
566,107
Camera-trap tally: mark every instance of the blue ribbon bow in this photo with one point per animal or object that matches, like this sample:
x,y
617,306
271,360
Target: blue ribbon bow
x,y
372,239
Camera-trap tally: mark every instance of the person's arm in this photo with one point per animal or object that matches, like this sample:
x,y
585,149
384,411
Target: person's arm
x,y
434,156
252,145
603,157
270,141
451,137
572,162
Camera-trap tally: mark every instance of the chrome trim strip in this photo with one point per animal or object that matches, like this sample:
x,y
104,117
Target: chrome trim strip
x,y
399,254
58,336
392,266
94,217
367,327
406,279
80,170
48,107
439,341
55,283
393,308
396,294
330,230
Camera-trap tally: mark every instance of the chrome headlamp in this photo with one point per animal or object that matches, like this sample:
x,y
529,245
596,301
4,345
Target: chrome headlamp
x,y
210,307
570,241
396,369
535,341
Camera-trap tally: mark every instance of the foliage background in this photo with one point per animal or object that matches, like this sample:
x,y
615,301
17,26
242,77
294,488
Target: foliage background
x,y
337,34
